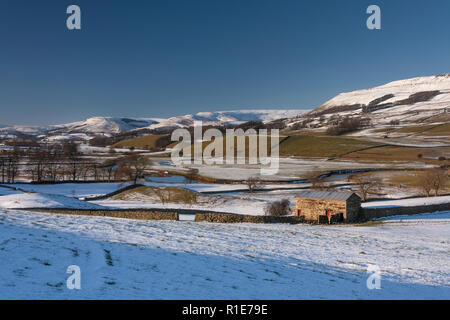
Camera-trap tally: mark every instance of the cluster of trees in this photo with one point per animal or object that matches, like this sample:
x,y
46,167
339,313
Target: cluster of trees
x,y
258,125
65,163
302,124
431,182
132,167
315,178
9,166
365,185
254,183
346,125
434,180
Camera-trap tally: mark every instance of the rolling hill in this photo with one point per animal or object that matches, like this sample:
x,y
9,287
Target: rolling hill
x,y
107,126
416,101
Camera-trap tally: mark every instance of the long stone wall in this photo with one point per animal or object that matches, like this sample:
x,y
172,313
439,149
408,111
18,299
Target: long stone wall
x,y
367,213
160,214
128,214
240,218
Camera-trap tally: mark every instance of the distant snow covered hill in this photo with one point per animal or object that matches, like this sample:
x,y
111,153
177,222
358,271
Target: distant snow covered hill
x,y
416,100
397,92
84,130
226,117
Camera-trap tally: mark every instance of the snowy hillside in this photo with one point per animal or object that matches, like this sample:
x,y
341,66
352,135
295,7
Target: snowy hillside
x,y
84,130
43,200
225,117
81,130
400,90
135,259
416,100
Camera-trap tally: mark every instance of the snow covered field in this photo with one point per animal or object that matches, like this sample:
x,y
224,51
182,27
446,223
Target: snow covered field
x,y
128,259
407,202
95,189
43,200
290,168
71,189
232,198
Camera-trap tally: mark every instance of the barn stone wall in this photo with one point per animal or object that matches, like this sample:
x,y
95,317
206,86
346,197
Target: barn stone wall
x,y
353,208
311,209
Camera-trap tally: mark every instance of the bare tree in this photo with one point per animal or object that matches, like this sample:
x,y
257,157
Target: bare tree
x,y
134,165
426,183
433,180
70,149
37,166
72,160
365,185
188,197
314,177
12,165
2,169
254,183
54,164
123,172
107,167
162,194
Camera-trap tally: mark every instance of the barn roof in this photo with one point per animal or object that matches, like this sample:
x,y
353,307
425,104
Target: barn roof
x,y
330,195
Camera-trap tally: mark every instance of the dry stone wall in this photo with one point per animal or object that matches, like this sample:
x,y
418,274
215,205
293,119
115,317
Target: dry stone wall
x,y
128,214
240,218
367,214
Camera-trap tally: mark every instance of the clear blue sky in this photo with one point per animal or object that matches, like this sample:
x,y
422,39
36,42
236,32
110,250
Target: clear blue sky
x,y
163,58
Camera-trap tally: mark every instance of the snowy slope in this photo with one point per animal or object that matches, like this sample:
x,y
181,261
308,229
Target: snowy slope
x,y
401,89
407,202
43,200
135,259
81,129
409,101
84,130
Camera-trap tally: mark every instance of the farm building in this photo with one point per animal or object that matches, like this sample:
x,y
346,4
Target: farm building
x,y
328,206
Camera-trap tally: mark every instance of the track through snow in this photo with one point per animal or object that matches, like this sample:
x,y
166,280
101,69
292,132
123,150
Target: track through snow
x,y
128,259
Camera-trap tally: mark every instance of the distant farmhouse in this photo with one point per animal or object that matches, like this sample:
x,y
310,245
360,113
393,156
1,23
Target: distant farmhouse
x,y
328,207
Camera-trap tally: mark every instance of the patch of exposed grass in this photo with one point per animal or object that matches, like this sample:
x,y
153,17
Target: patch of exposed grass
x,y
400,153
322,146
163,195
144,142
409,178
413,179
415,129
247,139
379,130
442,130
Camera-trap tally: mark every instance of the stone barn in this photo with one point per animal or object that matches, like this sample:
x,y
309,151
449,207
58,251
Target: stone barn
x,y
328,206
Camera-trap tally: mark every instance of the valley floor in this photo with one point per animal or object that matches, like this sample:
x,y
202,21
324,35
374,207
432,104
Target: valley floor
x,y
131,259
